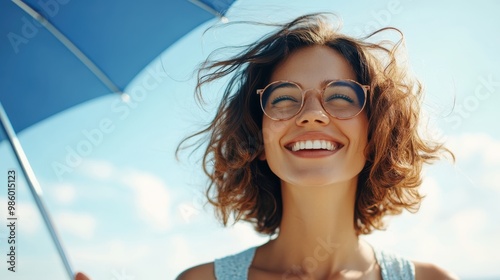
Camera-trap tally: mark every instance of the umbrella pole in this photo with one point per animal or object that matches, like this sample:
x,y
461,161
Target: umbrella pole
x,y
34,186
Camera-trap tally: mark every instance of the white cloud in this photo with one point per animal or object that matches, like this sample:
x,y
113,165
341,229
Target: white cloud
x,y
478,159
79,224
431,204
468,223
64,193
491,179
115,252
29,217
466,146
151,198
246,235
476,232
181,249
99,169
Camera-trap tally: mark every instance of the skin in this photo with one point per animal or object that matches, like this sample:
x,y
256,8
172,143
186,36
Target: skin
x,y
317,239
81,276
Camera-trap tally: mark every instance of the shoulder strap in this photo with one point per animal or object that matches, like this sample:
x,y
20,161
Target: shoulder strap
x,y
234,267
394,267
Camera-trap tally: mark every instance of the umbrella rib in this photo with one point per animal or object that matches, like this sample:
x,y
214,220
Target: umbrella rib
x,y
68,44
209,9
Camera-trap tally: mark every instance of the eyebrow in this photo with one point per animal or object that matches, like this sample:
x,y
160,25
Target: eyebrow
x,y
322,84
285,85
327,81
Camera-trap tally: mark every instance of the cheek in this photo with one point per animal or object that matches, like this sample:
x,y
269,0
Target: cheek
x,y
271,131
357,131
271,134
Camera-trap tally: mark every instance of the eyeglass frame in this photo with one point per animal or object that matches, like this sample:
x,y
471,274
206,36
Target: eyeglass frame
x,y
365,89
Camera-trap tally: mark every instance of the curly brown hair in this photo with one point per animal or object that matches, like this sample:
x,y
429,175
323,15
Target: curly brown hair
x,y
244,186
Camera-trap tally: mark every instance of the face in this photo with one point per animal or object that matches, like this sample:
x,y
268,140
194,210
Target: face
x,y
337,155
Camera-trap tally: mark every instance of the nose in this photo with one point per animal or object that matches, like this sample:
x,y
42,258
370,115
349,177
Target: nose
x,y
312,112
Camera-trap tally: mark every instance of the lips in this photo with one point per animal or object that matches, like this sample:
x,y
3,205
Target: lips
x,y
313,145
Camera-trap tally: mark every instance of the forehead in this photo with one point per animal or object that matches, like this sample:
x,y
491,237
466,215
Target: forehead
x,y
310,66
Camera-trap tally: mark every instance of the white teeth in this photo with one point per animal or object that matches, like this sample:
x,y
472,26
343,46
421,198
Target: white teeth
x,y
309,144
317,144
314,145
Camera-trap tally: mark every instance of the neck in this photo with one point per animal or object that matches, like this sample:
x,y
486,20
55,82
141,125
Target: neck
x,y
309,212
317,235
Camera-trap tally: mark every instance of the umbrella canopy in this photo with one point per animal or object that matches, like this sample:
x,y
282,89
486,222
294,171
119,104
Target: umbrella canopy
x,y
109,43
59,53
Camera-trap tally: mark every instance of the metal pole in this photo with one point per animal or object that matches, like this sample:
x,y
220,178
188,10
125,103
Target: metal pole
x,y
34,186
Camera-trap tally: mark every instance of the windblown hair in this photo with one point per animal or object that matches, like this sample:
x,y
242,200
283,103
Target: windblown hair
x,y
244,187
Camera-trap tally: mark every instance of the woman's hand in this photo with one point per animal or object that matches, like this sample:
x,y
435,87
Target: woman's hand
x,y
81,276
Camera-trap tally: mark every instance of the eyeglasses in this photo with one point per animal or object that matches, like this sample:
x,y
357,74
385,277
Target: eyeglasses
x,y
342,99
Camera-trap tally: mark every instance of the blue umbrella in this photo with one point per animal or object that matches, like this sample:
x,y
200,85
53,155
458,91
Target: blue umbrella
x,y
56,54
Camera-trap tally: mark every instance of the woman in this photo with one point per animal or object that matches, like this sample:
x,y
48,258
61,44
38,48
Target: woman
x,y
315,141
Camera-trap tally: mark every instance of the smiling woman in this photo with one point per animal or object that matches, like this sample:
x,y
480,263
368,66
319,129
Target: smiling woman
x,y
314,143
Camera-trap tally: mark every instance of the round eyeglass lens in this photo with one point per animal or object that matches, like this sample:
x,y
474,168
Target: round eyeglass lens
x,y
343,99
282,100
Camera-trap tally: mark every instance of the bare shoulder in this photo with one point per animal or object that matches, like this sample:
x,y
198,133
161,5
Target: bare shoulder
x,y
425,271
201,272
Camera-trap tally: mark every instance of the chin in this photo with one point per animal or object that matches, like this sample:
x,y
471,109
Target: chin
x,y
316,179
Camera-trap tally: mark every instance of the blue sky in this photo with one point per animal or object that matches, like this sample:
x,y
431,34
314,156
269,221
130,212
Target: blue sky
x,y
126,209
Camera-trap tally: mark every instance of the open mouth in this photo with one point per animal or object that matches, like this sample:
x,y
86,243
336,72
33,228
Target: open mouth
x,y
314,145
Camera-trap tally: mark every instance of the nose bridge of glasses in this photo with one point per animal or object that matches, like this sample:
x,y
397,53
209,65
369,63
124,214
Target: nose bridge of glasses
x,y
317,90
312,103
307,95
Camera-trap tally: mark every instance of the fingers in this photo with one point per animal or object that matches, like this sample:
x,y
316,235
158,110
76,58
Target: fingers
x,y
81,276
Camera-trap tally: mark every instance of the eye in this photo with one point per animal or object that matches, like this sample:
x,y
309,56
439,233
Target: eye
x,y
283,95
283,98
338,97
